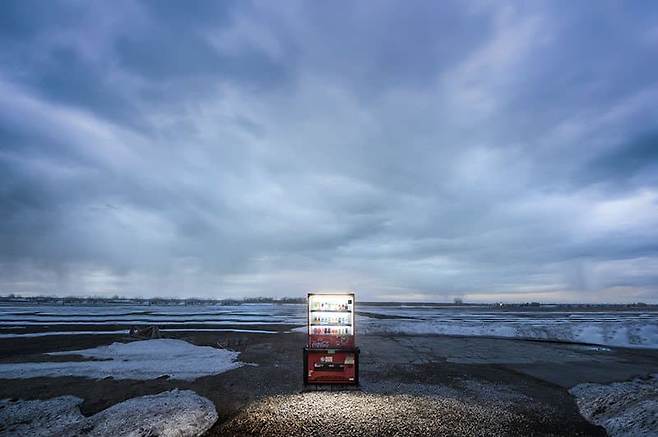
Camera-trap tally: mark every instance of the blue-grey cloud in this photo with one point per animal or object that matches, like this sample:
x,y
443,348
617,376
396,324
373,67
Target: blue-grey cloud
x,y
495,151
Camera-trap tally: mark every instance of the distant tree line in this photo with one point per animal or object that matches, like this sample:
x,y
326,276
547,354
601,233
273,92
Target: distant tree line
x,y
117,300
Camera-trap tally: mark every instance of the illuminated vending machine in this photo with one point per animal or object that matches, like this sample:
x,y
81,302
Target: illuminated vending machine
x,y
330,355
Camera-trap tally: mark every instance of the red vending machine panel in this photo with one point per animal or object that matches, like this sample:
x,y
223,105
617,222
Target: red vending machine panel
x,y
330,355
331,366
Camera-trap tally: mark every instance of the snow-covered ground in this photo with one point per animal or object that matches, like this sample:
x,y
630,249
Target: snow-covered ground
x,y
176,413
125,331
51,333
628,329
623,408
610,328
23,320
136,360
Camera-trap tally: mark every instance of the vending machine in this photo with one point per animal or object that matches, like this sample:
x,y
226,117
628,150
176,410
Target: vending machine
x,y
331,355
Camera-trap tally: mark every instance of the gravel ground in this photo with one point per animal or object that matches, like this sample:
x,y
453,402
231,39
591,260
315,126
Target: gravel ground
x,y
366,414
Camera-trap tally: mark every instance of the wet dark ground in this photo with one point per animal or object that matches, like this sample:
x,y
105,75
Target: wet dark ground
x,y
411,385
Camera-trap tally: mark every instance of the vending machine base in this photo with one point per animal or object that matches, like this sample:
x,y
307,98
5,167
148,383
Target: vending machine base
x,y
331,366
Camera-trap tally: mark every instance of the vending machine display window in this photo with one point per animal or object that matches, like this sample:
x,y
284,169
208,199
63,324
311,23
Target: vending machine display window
x,y
330,320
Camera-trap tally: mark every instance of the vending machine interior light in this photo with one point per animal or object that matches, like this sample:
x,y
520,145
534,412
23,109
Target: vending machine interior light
x,y
330,320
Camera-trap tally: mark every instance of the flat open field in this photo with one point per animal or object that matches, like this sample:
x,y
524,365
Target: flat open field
x,y
412,383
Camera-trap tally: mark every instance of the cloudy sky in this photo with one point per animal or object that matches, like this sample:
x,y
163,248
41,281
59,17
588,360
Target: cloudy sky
x,y
419,150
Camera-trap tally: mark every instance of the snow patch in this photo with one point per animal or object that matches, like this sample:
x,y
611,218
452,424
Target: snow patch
x,y
623,408
174,413
146,359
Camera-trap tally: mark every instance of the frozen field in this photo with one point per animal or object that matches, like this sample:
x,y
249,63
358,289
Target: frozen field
x,y
611,328
237,370
618,328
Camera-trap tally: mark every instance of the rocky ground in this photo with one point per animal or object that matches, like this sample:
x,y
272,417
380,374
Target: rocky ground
x,y
169,414
628,408
411,385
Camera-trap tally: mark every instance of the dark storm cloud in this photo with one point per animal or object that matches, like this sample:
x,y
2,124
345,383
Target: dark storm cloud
x,y
101,57
36,42
172,43
408,151
633,163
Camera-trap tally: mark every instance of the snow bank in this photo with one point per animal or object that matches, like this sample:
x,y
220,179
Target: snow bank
x,y
168,414
641,334
623,408
147,359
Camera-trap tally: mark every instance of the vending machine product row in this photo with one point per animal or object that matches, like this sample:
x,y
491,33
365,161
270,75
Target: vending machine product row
x,y
330,355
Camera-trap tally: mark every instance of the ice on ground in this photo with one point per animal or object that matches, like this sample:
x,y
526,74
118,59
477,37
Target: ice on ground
x,y
125,331
623,408
48,334
146,359
28,323
248,331
631,333
152,314
173,413
603,327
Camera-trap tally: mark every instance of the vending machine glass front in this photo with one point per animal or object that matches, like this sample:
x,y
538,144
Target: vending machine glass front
x,y
331,320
